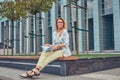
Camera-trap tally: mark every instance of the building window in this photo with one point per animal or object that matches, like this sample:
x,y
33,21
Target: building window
x,y
107,6
49,18
90,8
59,8
40,21
32,20
2,32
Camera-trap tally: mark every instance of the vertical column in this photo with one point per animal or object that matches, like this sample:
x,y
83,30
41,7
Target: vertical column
x,y
29,44
34,46
43,28
53,18
116,17
81,25
67,14
64,10
4,40
27,34
0,31
21,38
9,33
97,24
37,32
14,40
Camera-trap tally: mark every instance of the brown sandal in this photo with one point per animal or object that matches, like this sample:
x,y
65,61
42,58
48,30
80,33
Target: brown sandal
x,y
27,75
30,75
36,74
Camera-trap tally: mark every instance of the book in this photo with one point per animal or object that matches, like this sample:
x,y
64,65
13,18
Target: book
x,y
46,48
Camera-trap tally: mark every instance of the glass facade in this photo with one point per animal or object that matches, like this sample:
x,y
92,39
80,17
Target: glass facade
x,y
2,32
106,7
17,36
90,5
107,25
48,30
40,21
103,25
59,8
40,32
49,18
32,34
108,32
7,33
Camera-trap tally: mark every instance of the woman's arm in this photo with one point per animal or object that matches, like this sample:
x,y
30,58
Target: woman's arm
x,y
49,45
65,41
58,46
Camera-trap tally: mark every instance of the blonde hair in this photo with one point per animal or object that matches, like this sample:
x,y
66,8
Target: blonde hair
x,y
64,24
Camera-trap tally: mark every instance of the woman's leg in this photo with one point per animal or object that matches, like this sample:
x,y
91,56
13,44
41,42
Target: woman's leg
x,y
39,65
52,57
42,58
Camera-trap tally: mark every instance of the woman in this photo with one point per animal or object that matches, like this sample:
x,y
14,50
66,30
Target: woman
x,y
60,48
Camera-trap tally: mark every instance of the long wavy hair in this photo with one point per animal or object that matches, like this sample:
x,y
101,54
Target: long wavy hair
x,y
64,24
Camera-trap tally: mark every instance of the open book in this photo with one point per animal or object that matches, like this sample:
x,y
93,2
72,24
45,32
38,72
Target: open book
x,y
46,48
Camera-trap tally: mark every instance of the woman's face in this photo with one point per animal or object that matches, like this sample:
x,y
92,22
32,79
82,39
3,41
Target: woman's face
x,y
59,23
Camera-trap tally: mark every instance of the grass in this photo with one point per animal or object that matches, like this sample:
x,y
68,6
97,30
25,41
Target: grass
x,y
19,55
82,56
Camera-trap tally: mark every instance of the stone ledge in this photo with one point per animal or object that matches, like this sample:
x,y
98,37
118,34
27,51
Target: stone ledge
x,y
20,57
36,57
68,58
66,67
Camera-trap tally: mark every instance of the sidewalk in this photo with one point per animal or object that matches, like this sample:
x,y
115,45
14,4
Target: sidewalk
x,y
12,74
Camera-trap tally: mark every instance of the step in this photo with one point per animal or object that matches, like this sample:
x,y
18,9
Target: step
x,y
28,62
37,57
63,67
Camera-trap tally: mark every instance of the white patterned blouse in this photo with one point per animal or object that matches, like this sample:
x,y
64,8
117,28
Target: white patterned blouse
x,y
63,39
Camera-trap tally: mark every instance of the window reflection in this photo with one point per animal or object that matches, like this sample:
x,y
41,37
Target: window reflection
x,y
107,6
90,8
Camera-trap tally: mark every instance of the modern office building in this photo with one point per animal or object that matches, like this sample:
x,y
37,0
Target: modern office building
x,y
103,27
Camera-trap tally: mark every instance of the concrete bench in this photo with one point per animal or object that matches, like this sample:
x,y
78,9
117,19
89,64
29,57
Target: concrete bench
x,y
57,67
37,57
62,66
68,58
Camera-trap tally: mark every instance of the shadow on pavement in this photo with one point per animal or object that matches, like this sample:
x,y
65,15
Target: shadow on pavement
x,y
4,78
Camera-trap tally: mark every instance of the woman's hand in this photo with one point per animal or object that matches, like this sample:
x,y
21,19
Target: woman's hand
x,y
46,44
55,48
58,46
49,45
